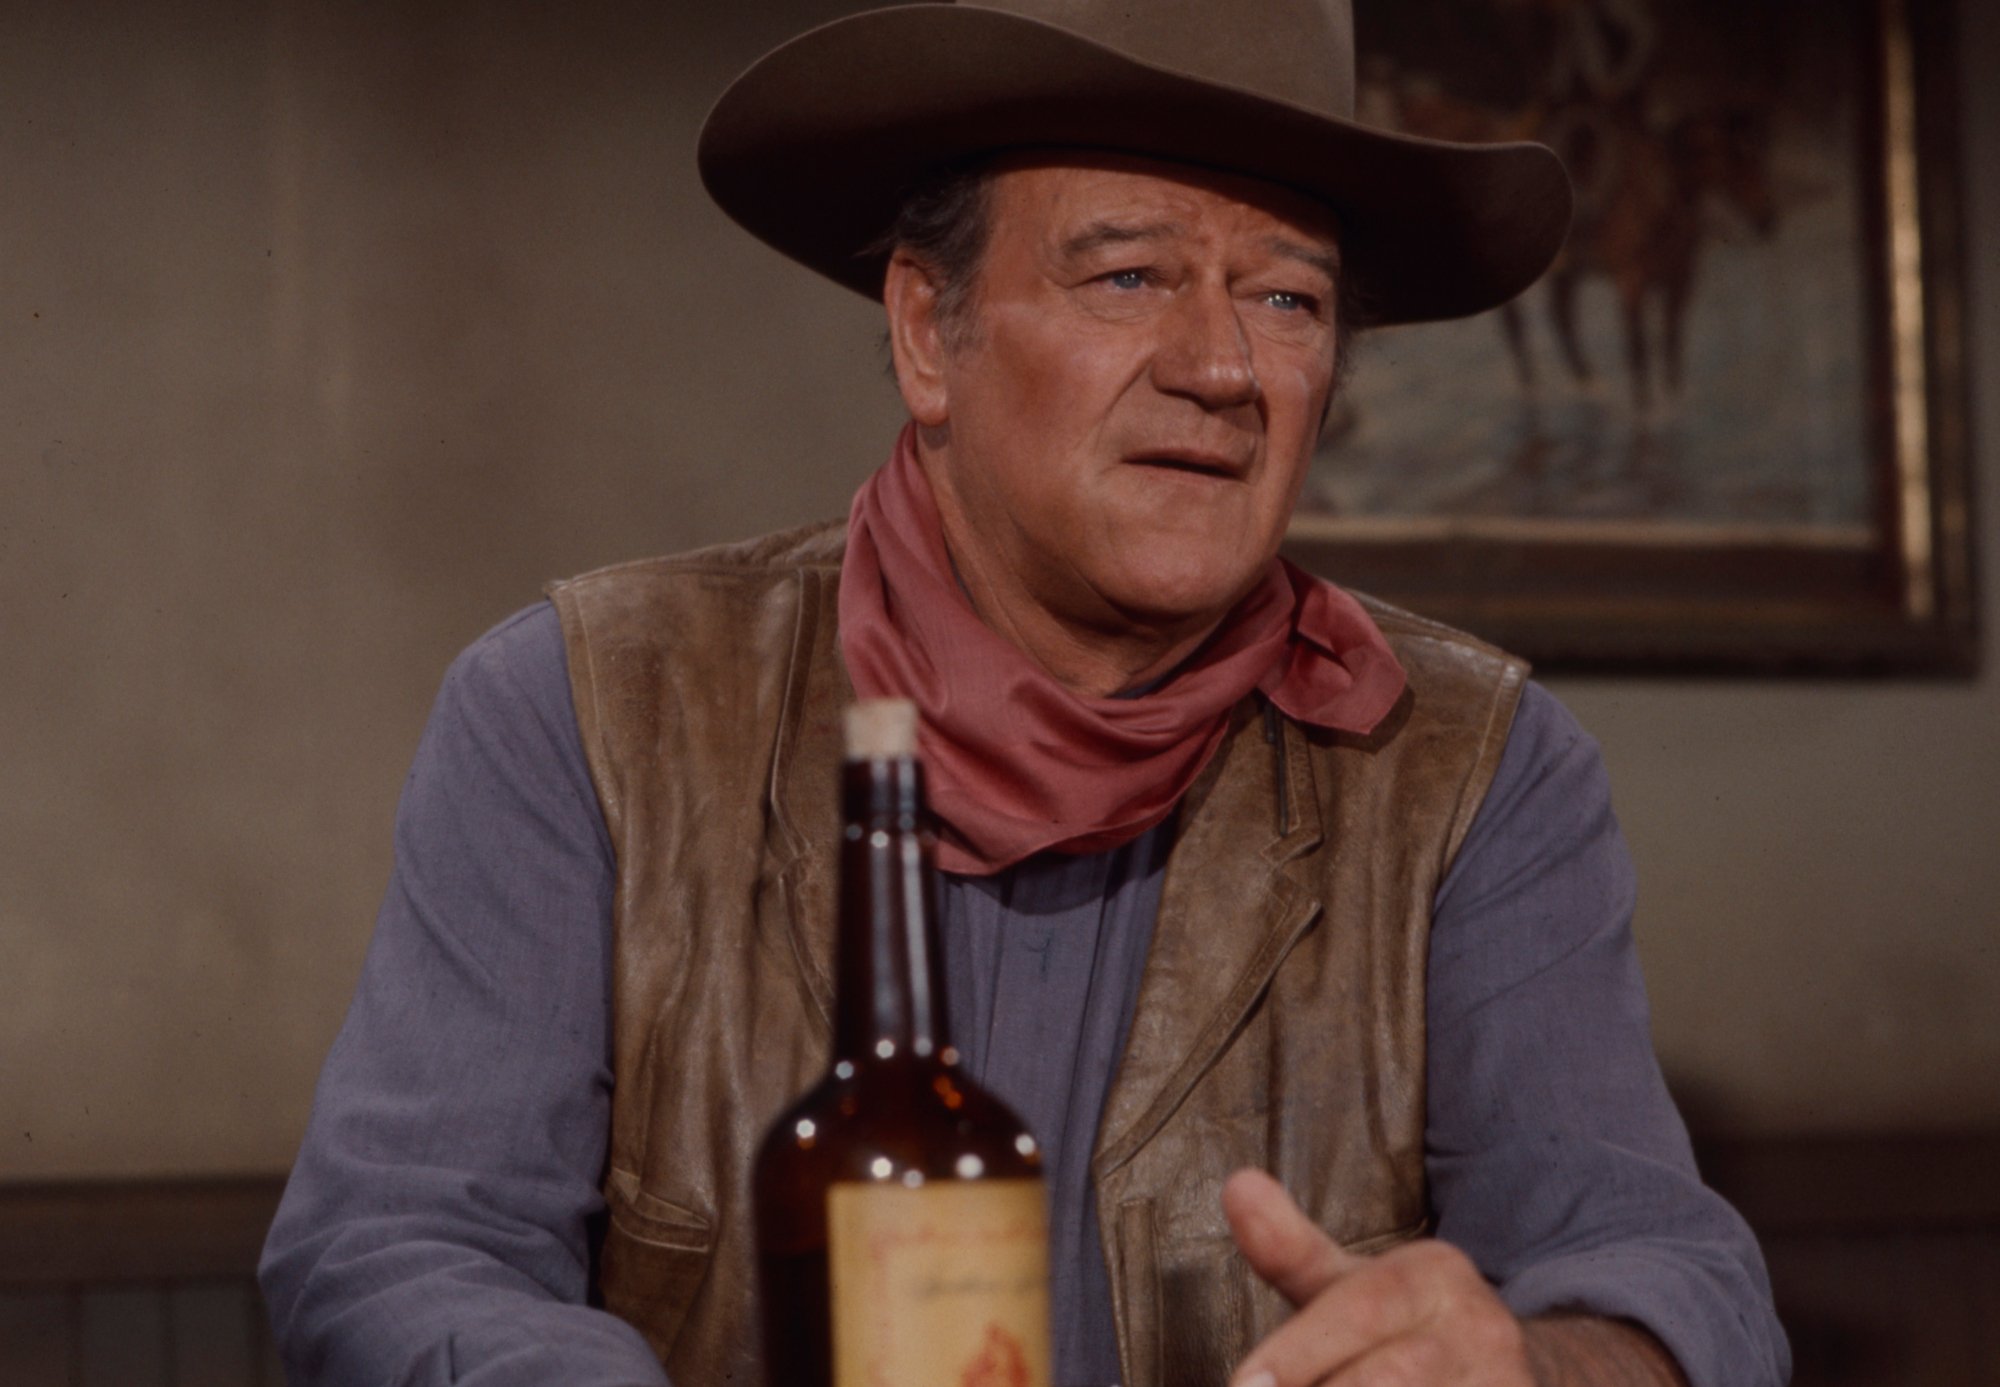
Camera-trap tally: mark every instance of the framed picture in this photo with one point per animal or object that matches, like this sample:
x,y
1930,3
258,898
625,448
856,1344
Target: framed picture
x,y
1727,431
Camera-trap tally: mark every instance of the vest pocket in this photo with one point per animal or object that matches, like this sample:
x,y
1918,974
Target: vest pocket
x,y
654,1257
1185,1300
1205,1322
1382,1242
1192,1305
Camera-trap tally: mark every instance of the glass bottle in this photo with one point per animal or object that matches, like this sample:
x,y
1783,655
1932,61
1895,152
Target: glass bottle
x,y
901,1219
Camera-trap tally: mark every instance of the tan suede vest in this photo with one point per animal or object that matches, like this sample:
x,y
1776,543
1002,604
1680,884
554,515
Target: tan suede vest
x,y
1280,1020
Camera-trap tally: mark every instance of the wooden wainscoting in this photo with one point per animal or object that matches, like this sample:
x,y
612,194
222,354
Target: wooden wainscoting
x,y
1884,1251
135,1284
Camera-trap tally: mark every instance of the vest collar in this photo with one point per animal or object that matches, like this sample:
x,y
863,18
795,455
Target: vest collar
x,y
1202,977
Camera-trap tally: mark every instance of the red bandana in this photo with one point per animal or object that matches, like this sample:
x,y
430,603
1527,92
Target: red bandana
x,y
1016,762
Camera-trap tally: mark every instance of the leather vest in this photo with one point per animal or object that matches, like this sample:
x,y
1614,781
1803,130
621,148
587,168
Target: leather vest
x,y
1280,1019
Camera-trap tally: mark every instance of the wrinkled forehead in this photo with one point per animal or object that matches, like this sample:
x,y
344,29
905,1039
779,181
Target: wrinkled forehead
x,y
1049,195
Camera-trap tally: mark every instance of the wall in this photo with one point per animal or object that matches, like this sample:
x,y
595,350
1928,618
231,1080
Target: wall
x,y
1820,886
328,333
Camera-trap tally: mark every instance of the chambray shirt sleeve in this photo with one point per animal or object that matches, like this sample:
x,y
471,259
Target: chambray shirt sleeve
x,y
1556,1158
435,1228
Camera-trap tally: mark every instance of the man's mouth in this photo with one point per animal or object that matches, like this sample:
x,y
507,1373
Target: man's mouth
x,y
1193,462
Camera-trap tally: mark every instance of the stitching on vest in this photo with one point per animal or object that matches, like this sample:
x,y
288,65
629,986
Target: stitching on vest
x,y
809,583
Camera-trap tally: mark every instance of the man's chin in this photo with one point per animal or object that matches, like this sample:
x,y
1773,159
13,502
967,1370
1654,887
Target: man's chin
x,y
1181,600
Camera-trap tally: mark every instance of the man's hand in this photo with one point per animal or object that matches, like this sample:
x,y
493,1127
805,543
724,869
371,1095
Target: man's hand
x,y
1418,1314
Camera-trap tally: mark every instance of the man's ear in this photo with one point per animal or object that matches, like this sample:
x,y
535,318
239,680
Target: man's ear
x,y
916,339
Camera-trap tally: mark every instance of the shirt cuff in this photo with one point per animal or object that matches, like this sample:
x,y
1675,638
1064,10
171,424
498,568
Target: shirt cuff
x,y
1667,1292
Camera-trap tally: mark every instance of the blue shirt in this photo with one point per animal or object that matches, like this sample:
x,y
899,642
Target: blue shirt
x,y
435,1226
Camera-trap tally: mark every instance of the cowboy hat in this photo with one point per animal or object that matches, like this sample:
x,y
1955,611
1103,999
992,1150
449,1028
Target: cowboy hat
x,y
815,146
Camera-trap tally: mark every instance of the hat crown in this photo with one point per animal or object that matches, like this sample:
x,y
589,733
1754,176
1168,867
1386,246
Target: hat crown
x,y
1298,51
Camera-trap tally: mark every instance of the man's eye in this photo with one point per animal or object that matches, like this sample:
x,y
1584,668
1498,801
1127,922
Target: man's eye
x,y
1287,302
1126,279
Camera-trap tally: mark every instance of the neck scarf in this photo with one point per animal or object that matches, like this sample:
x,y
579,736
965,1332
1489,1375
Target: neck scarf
x,y
1015,761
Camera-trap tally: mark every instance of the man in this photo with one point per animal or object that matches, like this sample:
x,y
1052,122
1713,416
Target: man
x,y
1243,875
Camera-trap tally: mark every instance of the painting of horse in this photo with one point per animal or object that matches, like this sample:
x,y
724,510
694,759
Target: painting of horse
x,y
1644,236
1726,429
1694,355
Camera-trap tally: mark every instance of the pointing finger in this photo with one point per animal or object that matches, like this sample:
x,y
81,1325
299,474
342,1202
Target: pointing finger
x,y
1281,1244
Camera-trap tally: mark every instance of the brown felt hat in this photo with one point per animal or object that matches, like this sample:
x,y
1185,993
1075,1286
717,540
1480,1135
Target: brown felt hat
x,y
815,146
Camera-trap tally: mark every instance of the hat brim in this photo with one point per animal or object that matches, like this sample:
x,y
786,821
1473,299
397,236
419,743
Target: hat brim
x,y
814,147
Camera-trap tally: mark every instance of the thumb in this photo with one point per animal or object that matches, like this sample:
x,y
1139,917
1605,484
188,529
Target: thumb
x,y
1281,1244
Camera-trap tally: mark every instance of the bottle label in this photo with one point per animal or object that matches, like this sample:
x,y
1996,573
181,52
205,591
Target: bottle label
x,y
945,1285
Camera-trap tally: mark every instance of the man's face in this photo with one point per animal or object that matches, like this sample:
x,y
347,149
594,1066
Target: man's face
x,y
1129,414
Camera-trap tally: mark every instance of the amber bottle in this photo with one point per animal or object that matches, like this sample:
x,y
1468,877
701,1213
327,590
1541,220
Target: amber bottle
x,y
901,1221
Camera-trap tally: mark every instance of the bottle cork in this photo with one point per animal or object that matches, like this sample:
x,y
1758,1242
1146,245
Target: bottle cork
x,y
881,729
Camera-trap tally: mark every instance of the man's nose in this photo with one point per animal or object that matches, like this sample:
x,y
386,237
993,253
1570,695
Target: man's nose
x,y
1204,354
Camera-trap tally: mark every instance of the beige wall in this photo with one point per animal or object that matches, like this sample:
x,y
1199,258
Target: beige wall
x,y
1820,862
327,333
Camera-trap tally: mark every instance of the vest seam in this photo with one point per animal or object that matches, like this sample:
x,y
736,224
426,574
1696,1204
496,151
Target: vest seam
x,y
609,801
798,675
715,559
791,716
1501,703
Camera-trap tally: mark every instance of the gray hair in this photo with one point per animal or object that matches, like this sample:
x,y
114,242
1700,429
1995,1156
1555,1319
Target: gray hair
x,y
945,221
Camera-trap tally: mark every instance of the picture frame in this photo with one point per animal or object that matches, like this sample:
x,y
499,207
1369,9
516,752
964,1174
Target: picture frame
x,y
1728,432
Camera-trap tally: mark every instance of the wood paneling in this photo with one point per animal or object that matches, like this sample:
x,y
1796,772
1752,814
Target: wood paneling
x,y
1884,1252
1860,1184
1886,1309
35,1340
104,1232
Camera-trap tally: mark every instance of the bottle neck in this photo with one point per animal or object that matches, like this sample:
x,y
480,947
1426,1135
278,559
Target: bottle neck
x,y
891,990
